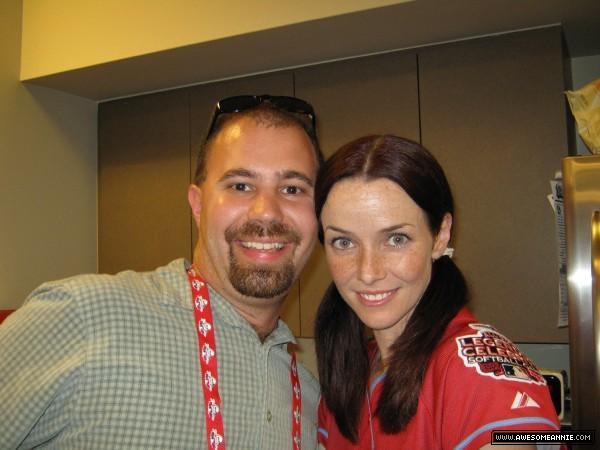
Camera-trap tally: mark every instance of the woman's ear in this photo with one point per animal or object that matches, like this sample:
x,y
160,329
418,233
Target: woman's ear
x,y
195,201
443,237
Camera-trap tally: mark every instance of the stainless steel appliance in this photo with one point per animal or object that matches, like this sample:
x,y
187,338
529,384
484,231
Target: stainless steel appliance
x,y
581,190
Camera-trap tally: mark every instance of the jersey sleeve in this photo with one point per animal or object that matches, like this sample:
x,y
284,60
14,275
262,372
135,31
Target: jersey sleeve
x,y
488,384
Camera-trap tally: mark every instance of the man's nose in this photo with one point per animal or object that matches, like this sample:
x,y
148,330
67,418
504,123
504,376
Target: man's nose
x,y
266,206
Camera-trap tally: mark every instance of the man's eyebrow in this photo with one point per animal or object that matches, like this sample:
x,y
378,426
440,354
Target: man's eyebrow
x,y
286,175
235,173
294,174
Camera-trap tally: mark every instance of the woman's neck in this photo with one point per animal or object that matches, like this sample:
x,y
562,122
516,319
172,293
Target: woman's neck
x,y
378,365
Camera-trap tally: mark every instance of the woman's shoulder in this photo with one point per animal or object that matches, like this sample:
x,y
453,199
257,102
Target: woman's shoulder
x,y
479,379
477,350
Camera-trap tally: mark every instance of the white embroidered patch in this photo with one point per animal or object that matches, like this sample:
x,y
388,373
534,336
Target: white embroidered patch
x,y
493,355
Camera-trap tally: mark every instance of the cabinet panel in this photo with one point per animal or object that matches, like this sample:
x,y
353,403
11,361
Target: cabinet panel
x,y
143,159
493,112
371,95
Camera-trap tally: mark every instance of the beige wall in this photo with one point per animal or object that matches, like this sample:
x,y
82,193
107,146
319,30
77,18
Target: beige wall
x,y
47,176
111,30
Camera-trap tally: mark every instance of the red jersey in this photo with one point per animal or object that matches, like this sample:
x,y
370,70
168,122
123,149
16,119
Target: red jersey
x,y
477,381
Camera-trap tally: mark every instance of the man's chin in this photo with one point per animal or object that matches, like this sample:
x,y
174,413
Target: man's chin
x,y
262,282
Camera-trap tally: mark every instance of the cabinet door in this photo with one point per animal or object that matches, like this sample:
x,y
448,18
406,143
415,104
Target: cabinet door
x,y
143,159
493,112
372,95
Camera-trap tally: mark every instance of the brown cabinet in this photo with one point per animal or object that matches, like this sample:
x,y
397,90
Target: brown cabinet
x,y
493,112
373,95
144,164
491,109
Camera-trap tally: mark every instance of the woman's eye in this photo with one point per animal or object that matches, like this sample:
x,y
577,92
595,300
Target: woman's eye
x,y
342,243
397,239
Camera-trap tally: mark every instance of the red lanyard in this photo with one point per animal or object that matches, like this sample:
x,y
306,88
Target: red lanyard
x,y
209,376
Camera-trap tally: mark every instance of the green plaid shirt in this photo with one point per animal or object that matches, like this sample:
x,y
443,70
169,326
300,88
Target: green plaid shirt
x,y
111,362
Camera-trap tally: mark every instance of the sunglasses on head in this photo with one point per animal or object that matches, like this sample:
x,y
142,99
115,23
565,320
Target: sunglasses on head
x,y
242,103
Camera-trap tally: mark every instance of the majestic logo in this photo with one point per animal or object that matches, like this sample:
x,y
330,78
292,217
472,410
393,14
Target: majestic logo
x,y
493,355
523,400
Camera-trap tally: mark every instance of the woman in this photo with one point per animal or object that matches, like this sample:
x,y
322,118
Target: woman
x,y
432,377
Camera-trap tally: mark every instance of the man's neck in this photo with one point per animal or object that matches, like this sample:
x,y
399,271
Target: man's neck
x,y
261,314
263,318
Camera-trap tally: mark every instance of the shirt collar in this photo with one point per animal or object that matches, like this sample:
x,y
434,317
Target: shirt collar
x,y
225,313
179,292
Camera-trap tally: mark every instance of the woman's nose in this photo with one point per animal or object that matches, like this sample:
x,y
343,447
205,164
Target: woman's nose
x,y
370,266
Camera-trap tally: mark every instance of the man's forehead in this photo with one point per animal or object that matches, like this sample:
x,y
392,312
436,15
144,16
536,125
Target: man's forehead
x,y
242,139
241,123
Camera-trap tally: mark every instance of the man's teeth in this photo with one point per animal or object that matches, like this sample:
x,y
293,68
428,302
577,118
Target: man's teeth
x,y
263,245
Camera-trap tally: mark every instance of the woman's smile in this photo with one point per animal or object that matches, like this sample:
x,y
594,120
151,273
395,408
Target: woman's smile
x,y
375,298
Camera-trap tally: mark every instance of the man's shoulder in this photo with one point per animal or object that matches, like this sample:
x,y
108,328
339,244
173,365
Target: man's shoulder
x,y
124,284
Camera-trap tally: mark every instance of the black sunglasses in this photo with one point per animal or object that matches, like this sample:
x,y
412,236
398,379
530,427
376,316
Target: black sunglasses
x,y
241,103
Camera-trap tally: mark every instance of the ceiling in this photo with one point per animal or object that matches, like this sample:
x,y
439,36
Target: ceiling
x,y
400,26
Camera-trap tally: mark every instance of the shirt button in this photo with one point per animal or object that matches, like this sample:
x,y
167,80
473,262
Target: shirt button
x,y
269,416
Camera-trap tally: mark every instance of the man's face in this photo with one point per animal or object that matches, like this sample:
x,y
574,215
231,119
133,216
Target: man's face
x,y
255,210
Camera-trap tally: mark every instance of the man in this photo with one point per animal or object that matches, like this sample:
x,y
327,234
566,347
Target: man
x,y
189,356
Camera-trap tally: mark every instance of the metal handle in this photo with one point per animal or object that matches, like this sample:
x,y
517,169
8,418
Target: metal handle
x,y
595,272
595,262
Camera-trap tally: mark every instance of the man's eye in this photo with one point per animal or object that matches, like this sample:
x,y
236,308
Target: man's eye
x,y
242,187
292,190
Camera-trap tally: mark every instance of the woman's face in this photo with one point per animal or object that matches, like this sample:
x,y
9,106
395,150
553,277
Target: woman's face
x,y
379,248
